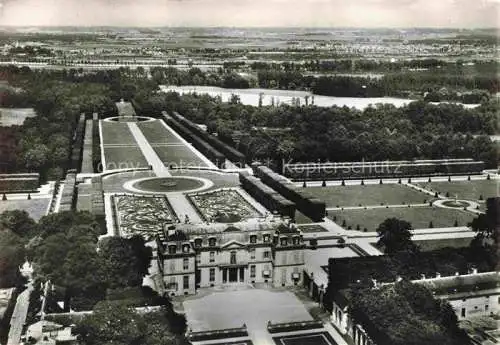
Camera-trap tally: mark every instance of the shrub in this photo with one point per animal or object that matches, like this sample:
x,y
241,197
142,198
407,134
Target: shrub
x,y
456,223
431,224
429,180
481,197
436,195
488,177
304,185
323,184
344,223
399,181
409,180
358,227
4,197
447,194
449,178
380,182
343,183
362,182
468,178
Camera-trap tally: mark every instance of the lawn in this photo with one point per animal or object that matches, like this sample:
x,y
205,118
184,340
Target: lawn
x,y
217,310
15,116
124,158
179,156
219,180
419,217
116,133
428,245
156,133
468,190
389,194
35,207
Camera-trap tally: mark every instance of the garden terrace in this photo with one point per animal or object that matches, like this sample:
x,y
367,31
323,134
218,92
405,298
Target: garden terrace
x,y
268,197
382,169
143,215
212,154
229,152
68,193
306,203
223,206
465,190
77,148
320,338
365,195
423,217
36,207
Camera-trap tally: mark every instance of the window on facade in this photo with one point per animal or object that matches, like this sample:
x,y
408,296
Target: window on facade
x,y
284,241
486,307
185,248
197,243
233,258
198,258
211,242
185,263
267,254
252,253
253,239
212,274
295,240
212,256
185,282
172,249
266,238
252,271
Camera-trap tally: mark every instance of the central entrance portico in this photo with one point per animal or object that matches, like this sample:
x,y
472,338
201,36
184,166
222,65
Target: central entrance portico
x,y
233,274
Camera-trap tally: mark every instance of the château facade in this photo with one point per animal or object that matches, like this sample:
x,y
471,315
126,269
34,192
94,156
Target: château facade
x,y
206,258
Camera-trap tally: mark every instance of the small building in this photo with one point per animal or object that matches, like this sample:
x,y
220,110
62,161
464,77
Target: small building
x,y
49,333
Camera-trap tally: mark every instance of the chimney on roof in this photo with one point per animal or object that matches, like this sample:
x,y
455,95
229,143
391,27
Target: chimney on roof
x,y
474,270
438,275
422,276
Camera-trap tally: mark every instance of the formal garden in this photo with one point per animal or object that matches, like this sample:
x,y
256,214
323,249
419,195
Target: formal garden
x,y
168,184
468,190
365,195
126,157
142,215
422,217
223,206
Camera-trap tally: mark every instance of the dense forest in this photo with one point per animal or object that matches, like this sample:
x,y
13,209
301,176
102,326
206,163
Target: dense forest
x,y
310,133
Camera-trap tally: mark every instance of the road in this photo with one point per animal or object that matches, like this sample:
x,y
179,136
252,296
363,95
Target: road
x,y
19,316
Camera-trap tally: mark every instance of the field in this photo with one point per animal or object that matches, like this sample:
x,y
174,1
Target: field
x,y
15,116
468,190
389,194
116,133
156,133
124,158
35,207
419,217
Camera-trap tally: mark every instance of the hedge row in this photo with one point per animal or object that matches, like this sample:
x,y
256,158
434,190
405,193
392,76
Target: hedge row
x,y
206,149
87,165
307,204
96,146
267,196
293,326
76,152
19,184
385,169
68,194
218,334
97,196
229,152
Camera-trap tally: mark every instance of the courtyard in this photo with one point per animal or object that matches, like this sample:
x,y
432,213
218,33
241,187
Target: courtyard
x,y
230,309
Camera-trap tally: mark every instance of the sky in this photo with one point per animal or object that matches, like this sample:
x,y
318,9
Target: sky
x,y
252,13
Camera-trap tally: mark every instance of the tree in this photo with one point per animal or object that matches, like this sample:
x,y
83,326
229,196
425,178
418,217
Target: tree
x,y
124,261
19,222
12,255
395,236
114,323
